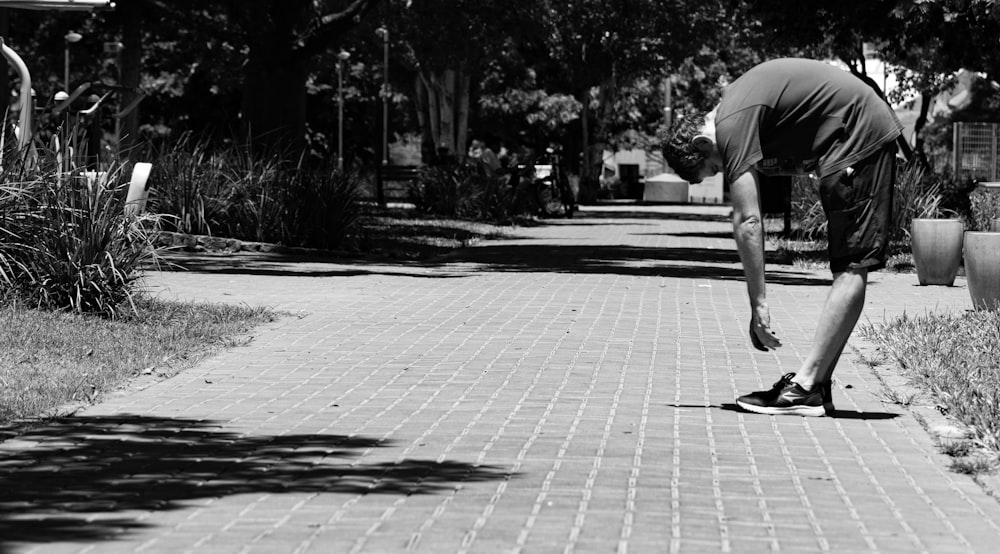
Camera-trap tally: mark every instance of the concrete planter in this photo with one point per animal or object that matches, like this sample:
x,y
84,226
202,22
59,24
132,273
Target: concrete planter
x,y
982,268
937,249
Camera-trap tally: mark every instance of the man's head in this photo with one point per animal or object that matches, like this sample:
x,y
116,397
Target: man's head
x,y
690,151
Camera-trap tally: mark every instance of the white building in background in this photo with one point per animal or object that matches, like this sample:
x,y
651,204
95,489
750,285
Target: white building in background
x,y
659,182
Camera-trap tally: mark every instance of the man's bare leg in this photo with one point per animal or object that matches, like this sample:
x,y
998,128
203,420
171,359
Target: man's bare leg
x,y
840,314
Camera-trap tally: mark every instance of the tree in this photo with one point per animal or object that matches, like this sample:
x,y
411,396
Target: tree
x,y
927,40
282,40
445,45
594,48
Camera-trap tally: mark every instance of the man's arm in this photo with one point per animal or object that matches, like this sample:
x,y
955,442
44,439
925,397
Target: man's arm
x,y
748,230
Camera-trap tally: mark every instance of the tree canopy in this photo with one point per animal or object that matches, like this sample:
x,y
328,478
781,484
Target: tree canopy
x,y
587,74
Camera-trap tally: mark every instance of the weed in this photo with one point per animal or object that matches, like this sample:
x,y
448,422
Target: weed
x,y
955,449
892,396
954,356
971,466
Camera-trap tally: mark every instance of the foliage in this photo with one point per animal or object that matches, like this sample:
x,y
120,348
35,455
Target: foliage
x,y
234,193
319,207
67,243
463,190
917,194
51,359
984,207
953,355
807,209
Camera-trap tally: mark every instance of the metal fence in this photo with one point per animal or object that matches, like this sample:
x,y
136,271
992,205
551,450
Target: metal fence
x,y
976,150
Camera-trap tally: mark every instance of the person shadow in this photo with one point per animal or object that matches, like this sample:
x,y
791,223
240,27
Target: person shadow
x,y
836,414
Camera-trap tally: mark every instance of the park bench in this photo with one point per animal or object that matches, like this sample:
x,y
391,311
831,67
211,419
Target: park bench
x,y
395,182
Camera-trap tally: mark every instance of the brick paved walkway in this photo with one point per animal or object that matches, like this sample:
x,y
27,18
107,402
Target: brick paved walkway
x,y
566,390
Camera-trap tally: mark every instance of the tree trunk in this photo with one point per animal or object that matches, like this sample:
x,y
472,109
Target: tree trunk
x,y
131,73
421,101
274,97
275,74
443,104
607,93
926,100
586,164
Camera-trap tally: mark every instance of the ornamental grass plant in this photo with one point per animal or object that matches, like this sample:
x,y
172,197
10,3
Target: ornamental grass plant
x,y
230,191
66,242
955,356
463,190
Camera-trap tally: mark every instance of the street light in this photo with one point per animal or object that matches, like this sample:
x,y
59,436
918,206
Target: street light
x,y
384,33
71,38
341,58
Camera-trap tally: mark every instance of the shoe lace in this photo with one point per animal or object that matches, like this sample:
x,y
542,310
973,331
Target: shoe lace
x,y
785,379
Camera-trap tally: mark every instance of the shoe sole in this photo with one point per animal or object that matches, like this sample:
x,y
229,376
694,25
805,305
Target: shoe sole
x,y
810,411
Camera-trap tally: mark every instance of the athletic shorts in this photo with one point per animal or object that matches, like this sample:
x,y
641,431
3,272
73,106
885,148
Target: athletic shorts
x,y
858,206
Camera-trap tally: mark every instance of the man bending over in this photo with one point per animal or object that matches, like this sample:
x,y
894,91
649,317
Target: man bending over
x,y
796,117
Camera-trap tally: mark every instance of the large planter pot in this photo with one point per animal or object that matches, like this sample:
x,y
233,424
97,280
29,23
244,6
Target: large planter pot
x,y
982,269
937,249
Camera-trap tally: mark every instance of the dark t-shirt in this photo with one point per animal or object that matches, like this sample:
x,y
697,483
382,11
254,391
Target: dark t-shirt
x,y
795,116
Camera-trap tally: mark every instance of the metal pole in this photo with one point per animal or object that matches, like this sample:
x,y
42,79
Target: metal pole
x,y
385,96
70,38
66,73
340,114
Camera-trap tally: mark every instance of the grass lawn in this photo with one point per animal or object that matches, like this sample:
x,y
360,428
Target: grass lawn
x,y
53,360
956,358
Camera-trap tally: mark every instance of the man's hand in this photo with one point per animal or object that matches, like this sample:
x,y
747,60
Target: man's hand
x,y
761,335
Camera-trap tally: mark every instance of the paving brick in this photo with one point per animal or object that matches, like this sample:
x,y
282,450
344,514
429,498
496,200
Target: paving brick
x,y
570,389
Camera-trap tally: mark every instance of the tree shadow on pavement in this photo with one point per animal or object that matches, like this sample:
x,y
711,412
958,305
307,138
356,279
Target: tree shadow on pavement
x,y
704,263
75,476
663,213
699,263
282,266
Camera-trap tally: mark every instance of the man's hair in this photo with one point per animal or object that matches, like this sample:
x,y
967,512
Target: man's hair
x,y
679,151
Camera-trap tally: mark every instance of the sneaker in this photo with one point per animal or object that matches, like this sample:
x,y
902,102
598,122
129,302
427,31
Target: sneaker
x,y
785,398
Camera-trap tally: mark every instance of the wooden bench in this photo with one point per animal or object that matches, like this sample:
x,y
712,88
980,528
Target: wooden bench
x,y
394,182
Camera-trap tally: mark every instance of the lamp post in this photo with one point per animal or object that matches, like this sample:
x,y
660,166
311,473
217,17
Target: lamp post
x,y
71,37
384,33
341,58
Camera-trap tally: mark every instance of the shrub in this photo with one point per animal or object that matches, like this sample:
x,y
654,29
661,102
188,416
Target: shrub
x,y
186,184
917,194
318,207
807,209
66,241
984,205
462,190
236,193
